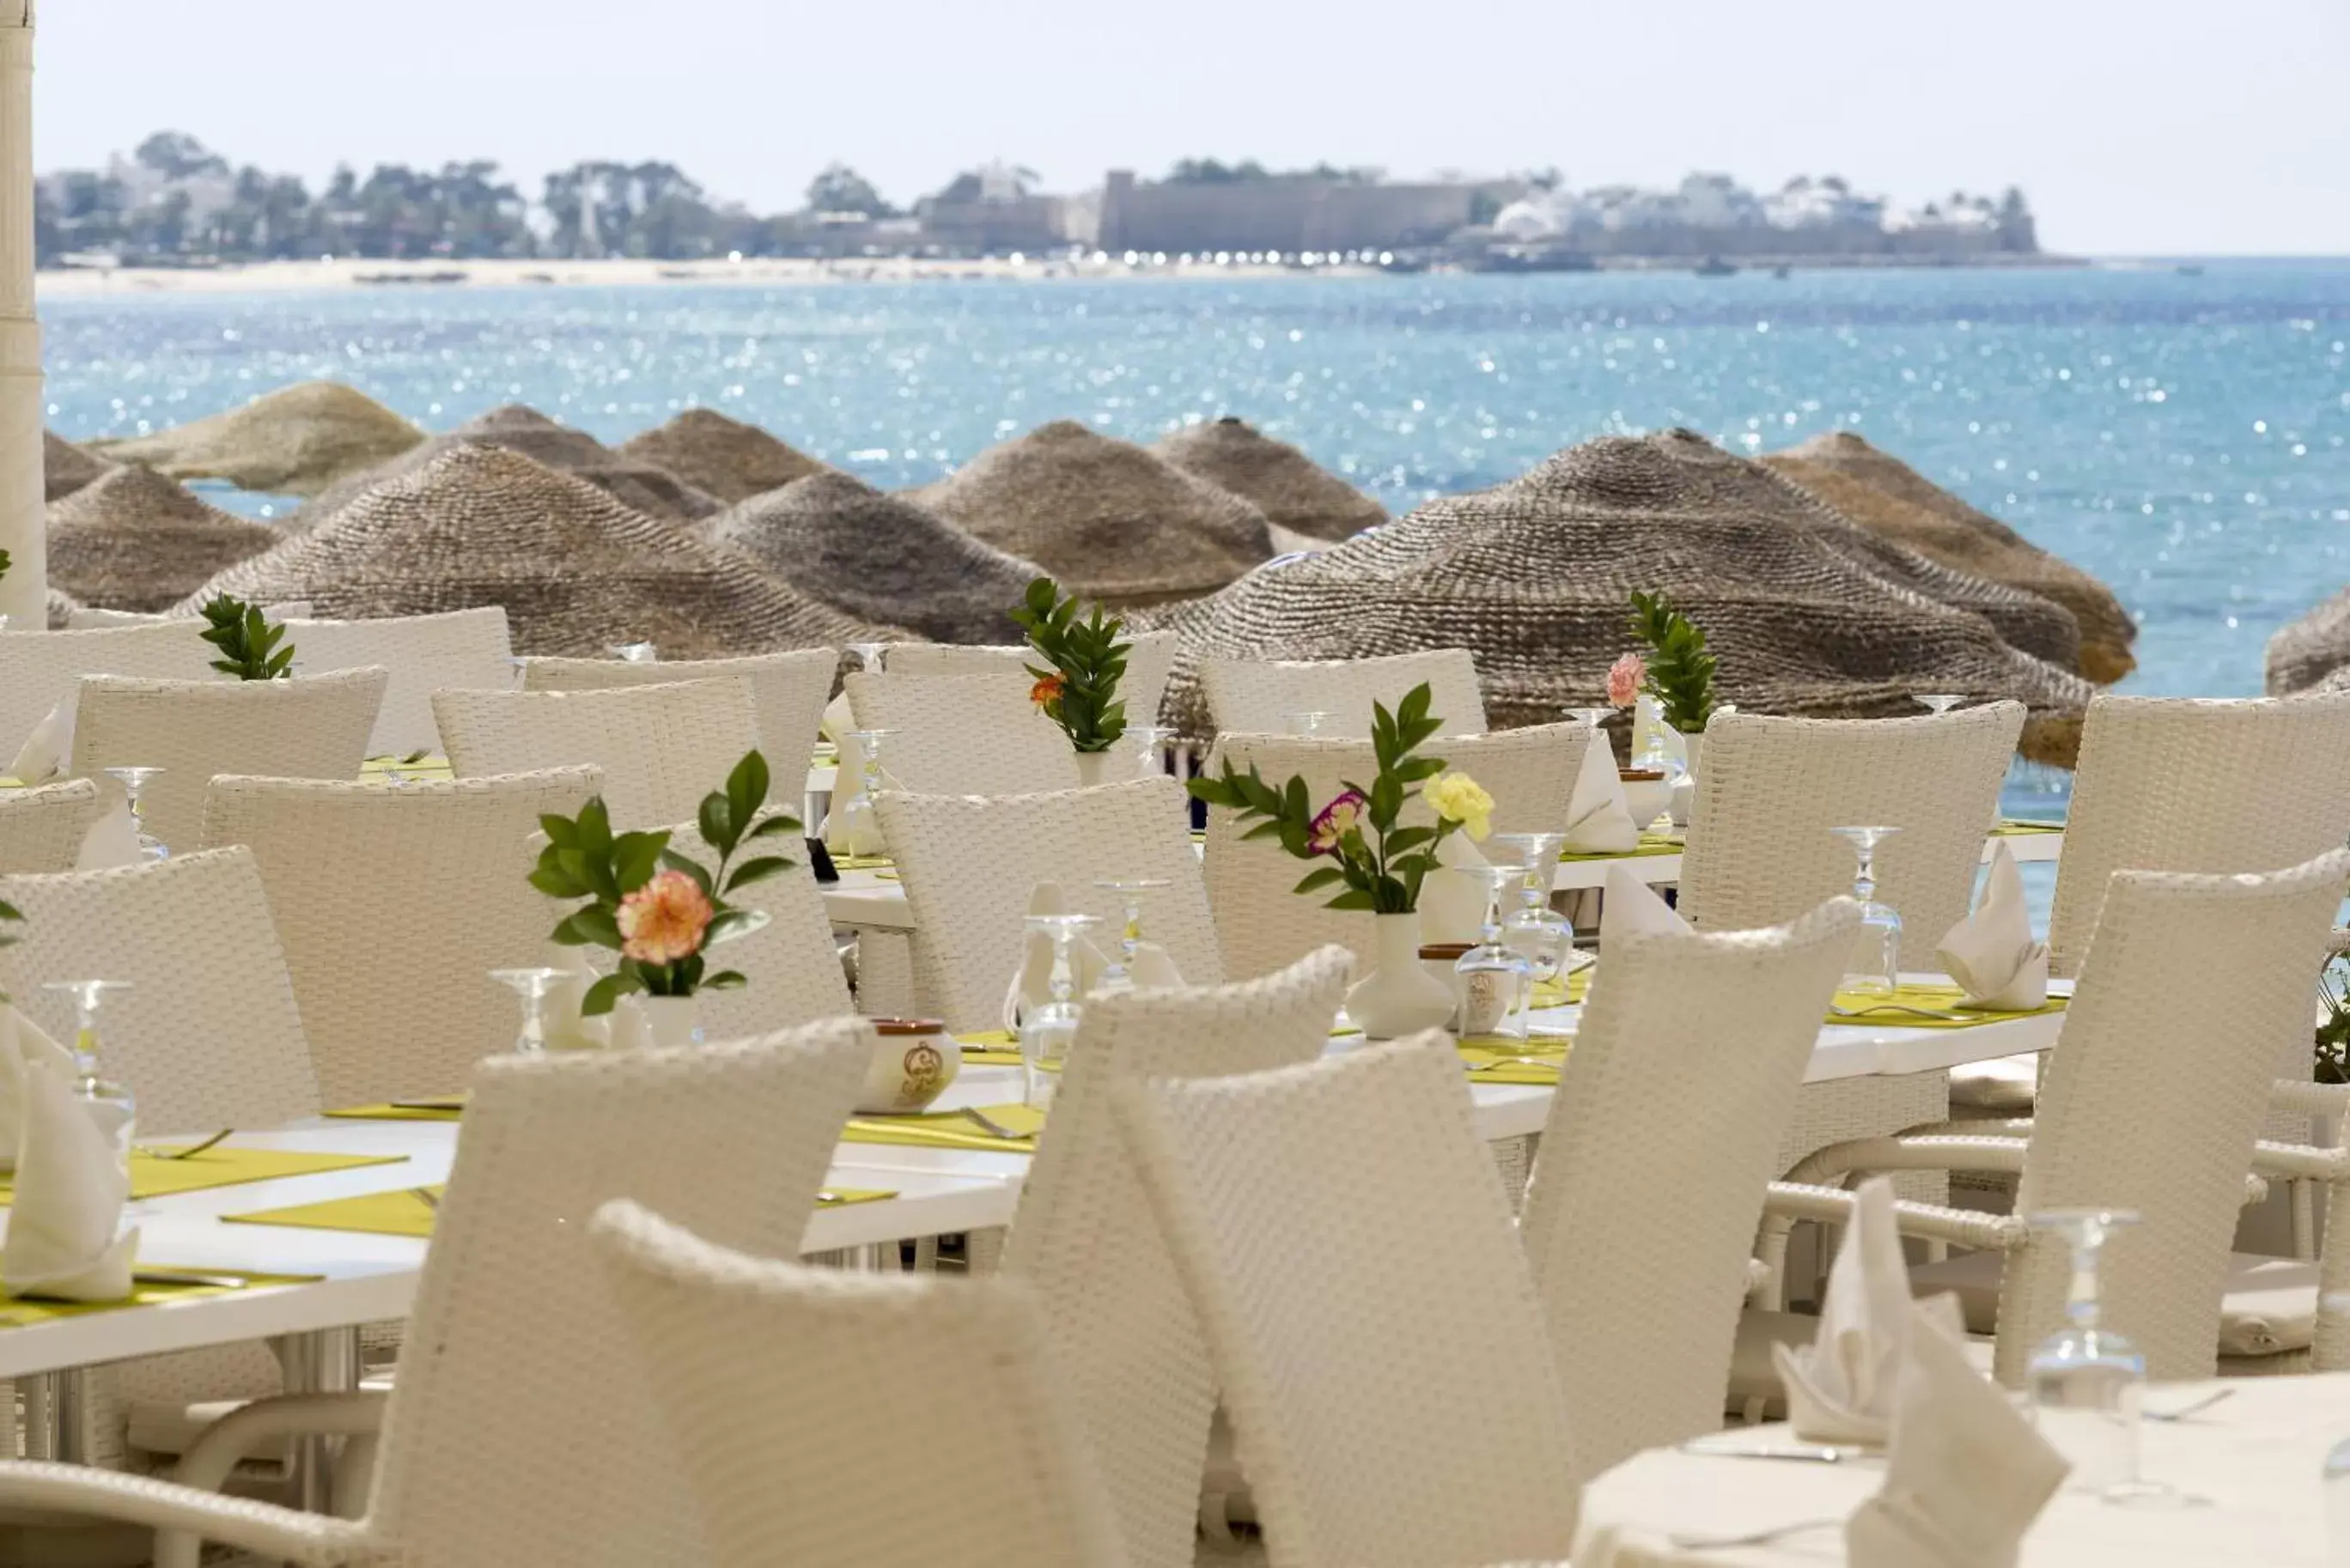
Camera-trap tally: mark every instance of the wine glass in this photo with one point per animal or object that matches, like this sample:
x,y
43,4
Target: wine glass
x,y
860,823
1876,949
868,656
1148,739
1535,929
1936,703
1047,1031
1493,980
1119,974
531,985
1306,721
1590,718
133,781
109,1105
2085,1381
633,652
521,667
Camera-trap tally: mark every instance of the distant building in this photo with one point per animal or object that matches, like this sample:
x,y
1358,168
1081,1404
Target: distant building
x,y
1712,215
1288,213
990,211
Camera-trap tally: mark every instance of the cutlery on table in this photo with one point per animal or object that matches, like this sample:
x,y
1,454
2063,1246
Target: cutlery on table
x,y
426,1196
193,1150
187,1277
992,1125
1733,1448
1752,1537
2192,1407
1902,1007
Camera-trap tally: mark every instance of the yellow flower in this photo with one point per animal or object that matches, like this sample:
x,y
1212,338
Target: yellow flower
x,y
1457,798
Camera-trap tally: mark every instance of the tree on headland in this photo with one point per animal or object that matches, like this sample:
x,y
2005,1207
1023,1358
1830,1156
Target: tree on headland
x,y
176,154
840,188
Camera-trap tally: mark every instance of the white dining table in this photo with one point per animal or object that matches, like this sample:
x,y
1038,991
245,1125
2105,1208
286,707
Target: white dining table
x,y
2248,1474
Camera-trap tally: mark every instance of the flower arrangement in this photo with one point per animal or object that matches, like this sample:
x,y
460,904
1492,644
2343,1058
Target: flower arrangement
x,y
249,644
1678,672
1377,863
661,911
1079,691
1625,678
2333,1036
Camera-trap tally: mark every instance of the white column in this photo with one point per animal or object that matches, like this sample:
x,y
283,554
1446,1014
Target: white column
x,y
24,533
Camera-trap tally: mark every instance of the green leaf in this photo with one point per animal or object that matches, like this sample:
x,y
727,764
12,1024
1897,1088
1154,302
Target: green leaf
x,y
636,856
556,883
717,822
780,822
691,867
558,830
595,925
1314,881
746,792
1353,898
757,870
725,980
606,991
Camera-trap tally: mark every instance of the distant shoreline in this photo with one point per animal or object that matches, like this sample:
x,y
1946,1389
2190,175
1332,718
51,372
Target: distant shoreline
x,y
402,276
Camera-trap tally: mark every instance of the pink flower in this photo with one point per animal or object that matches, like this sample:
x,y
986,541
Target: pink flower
x,y
1334,820
663,920
1624,679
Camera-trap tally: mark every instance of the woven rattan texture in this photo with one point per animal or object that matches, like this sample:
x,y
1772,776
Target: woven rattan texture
x,y
792,966
295,441
725,459
787,690
134,540
963,734
660,748
1257,696
66,468
1150,656
465,650
42,829
1281,480
37,673
2303,652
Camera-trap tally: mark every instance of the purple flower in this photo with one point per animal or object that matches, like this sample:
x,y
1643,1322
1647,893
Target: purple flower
x,y
1334,821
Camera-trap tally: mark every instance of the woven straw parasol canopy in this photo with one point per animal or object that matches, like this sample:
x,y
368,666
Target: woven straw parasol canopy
x,y
2310,651
1280,481
577,571
1107,519
131,539
865,553
516,427
1889,497
65,467
295,441
724,459
1535,577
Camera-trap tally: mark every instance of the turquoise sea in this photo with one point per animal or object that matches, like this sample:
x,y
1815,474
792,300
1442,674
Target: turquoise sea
x,y
2184,436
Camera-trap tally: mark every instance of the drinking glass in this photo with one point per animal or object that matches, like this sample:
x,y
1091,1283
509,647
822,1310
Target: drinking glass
x,y
1936,703
633,652
868,656
110,1104
1535,929
133,780
860,825
1046,1032
531,985
1308,722
2085,1381
521,667
1876,949
1492,978
1147,740
1120,975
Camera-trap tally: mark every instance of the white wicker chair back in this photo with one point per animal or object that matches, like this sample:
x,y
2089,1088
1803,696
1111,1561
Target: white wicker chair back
x,y
465,650
660,748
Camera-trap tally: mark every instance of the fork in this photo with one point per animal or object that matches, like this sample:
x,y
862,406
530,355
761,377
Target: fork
x,y
426,1196
1898,1007
1752,1538
193,1150
993,1125
2192,1407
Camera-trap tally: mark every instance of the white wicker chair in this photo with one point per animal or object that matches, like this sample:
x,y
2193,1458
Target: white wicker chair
x,y
1687,1062
1085,1238
1254,697
523,1435
1149,660
787,690
464,649
39,670
969,863
2193,989
792,968
307,727
660,748
804,1403
391,905
42,829
962,735
1387,1416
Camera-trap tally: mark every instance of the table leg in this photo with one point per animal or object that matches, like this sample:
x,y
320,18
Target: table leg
x,y
325,1362
57,1414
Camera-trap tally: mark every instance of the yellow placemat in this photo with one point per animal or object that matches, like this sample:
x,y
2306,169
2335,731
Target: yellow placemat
x,y
430,1109
20,1312
863,863
2017,827
377,768
1872,1010
154,1177
991,1048
406,1211
949,1130
1650,844
1513,1061
1568,991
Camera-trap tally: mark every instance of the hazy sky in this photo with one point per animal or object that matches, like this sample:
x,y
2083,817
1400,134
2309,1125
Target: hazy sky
x,y
2136,126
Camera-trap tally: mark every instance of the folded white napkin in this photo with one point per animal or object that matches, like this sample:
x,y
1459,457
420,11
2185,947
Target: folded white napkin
x,y
22,1041
567,1030
1154,969
1598,822
1966,1473
70,1189
1631,908
1451,900
1033,986
843,835
1991,954
1840,1389
113,839
838,719
50,747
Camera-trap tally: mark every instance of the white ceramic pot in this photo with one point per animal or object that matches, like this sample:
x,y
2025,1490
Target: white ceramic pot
x,y
670,1020
1647,799
1094,768
1398,997
1685,791
914,1060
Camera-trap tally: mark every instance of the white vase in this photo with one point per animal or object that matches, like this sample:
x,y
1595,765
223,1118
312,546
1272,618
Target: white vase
x,y
670,1020
1093,768
1685,790
1398,997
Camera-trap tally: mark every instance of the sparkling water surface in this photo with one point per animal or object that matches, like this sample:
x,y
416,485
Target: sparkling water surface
x,y
2184,437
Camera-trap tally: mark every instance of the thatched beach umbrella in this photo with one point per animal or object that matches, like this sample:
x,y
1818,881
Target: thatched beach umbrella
x,y
1886,496
131,539
1109,520
2311,651
577,571
1280,481
65,467
722,458
1534,578
295,441
881,557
